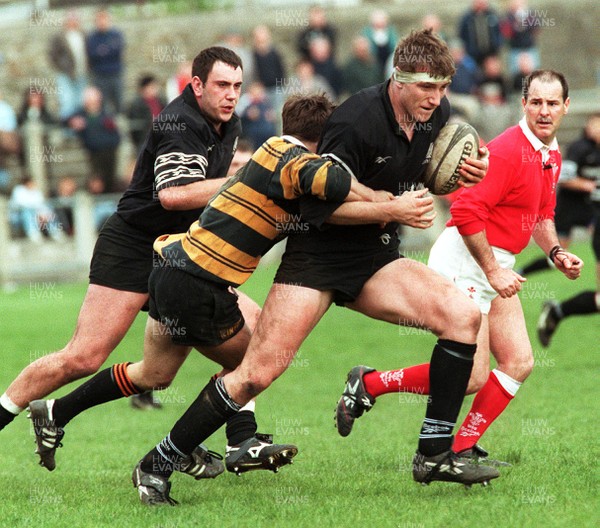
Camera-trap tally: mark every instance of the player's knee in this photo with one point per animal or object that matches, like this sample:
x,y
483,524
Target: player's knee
x,y
82,365
476,382
518,368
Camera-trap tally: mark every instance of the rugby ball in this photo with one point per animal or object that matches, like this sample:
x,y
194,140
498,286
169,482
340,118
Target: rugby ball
x,y
455,143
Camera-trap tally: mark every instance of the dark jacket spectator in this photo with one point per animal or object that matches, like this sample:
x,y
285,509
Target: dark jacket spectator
x,y
324,63
99,135
362,69
318,26
143,109
268,65
105,48
479,29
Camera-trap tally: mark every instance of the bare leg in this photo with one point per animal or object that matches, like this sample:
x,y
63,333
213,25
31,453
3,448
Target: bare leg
x,y
104,318
288,316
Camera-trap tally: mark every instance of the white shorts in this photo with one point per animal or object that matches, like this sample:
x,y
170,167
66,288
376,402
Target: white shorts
x,y
450,257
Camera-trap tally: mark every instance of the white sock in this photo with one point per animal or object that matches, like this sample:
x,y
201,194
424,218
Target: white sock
x,y
250,406
510,385
9,405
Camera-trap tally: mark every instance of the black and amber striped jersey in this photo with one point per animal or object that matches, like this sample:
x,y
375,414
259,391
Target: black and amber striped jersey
x,y
182,147
255,209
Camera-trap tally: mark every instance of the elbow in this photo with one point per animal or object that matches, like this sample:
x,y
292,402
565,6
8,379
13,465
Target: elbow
x,y
169,199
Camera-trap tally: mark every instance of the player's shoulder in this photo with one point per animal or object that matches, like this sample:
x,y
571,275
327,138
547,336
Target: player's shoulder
x,y
365,106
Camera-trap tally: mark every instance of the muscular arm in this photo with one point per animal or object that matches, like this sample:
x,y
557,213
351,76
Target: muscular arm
x,y
362,193
545,236
505,281
192,196
413,208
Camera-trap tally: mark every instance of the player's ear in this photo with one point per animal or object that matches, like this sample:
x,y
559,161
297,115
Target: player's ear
x,y
197,86
567,103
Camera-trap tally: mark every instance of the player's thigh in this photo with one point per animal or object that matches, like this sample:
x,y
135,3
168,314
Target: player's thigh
x,y
288,316
104,318
230,353
162,358
249,308
509,341
408,293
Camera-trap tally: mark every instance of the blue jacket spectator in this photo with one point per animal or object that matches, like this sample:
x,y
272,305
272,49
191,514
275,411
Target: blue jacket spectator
x,y
105,48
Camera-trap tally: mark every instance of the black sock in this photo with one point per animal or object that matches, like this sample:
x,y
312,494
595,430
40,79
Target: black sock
x,y
449,371
240,427
537,265
5,417
209,411
108,385
582,304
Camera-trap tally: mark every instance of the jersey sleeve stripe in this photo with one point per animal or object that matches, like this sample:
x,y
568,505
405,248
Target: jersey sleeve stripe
x,y
170,167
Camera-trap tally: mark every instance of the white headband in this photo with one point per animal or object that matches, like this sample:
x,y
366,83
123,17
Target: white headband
x,y
408,77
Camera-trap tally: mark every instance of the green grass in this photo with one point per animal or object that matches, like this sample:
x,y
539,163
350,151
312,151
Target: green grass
x,y
549,432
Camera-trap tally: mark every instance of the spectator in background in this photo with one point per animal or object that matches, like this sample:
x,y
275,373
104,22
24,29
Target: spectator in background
x,y
479,29
494,115
318,26
63,203
434,22
258,116
268,65
235,40
361,70
33,110
98,133
324,63
179,80
382,38
462,91
10,143
242,155
143,109
520,27
68,56
307,82
525,65
493,76
105,47
32,214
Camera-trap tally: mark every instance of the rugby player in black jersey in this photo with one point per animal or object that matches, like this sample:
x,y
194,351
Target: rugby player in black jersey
x,y
382,135
192,301
182,163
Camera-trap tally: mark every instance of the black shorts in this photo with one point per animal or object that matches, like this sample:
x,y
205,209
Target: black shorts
x,y
344,275
572,209
123,257
195,312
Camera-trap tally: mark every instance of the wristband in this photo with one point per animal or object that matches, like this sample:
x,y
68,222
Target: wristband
x,y
553,252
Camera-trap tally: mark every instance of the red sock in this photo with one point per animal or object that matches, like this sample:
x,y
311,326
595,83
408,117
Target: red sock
x,y
411,379
489,402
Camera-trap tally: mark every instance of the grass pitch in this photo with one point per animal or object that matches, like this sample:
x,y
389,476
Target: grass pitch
x,y
549,432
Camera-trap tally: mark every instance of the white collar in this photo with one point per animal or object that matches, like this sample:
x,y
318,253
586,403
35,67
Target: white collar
x,y
295,141
535,141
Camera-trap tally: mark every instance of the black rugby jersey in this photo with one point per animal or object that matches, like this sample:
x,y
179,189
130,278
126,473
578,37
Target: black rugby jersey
x,y
585,153
254,210
181,148
364,136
